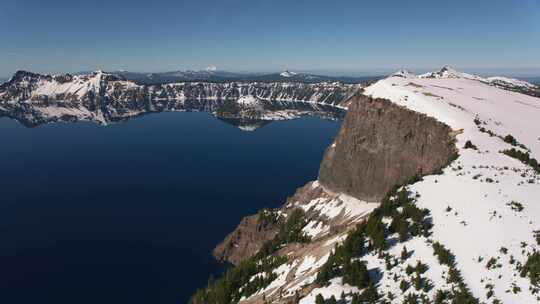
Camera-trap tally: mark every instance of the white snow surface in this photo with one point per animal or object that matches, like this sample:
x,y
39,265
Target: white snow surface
x,y
343,204
480,185
335,288
448,72
79,86
247,100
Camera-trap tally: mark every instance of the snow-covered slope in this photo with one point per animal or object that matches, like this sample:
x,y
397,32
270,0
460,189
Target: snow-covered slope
x,y
485,206
480,215
448,72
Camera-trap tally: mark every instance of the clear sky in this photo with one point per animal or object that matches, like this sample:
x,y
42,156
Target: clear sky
x,y
347,37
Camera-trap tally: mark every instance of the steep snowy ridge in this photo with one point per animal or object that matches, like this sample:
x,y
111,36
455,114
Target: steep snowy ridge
x,y
485,205
448,72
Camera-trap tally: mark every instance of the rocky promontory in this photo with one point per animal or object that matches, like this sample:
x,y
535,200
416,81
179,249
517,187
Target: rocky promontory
x,y
381,144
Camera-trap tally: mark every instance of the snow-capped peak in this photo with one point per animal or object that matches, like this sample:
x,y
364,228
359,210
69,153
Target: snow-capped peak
x,y
211,68
404,73
286,73
448,72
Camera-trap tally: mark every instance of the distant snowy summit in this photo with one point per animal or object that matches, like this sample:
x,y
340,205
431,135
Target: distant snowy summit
x,y
447,72
286,73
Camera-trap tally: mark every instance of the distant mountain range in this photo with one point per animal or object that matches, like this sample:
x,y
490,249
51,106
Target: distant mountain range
x,y
217,76
35,99
214,75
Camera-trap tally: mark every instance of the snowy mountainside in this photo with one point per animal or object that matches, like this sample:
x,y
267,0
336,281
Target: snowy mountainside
x,y
485,205
26,86
469,233
507,83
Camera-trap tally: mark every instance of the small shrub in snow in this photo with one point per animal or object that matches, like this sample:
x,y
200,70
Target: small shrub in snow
x,y
332,300
441,296
524,157
428,285
420,267
469,145
411,298
531,269
515,206
403,285
417,281
491,263
409,270
513,141
510,139
515,289
404,253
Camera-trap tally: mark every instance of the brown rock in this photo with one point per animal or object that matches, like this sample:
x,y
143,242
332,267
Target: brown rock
x,y
245,240
381,144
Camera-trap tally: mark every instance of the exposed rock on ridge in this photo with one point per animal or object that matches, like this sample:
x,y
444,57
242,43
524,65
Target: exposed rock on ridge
x,y
245,240
380,145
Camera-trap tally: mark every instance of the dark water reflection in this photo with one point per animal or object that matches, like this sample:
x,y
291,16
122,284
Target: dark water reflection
x,y
129,213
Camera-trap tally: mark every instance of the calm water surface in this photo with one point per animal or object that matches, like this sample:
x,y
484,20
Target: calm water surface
x,y
129,213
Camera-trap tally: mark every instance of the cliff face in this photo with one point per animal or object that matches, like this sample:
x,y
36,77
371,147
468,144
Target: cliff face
x,y
380,145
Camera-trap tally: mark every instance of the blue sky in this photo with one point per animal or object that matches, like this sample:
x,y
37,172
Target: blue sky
x,y
343,37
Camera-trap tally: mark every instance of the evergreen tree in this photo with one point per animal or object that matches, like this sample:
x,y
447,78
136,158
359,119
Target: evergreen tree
x,y
417,282
404,253
332,300
356,274
403,285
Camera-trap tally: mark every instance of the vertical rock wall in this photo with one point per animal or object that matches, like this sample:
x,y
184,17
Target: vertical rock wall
x,y
381,144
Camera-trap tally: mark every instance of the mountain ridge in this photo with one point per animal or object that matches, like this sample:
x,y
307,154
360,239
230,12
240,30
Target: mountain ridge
x,y
461,234
448,72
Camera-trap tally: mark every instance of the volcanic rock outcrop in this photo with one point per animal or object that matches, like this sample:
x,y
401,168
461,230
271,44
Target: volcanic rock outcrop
x,y
381,144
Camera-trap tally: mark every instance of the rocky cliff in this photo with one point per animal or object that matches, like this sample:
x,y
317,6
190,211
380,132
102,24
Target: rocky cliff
x,y
378,146
352,251
381,144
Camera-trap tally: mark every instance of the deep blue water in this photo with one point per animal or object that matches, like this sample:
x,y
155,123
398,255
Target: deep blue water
x,y
129,213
